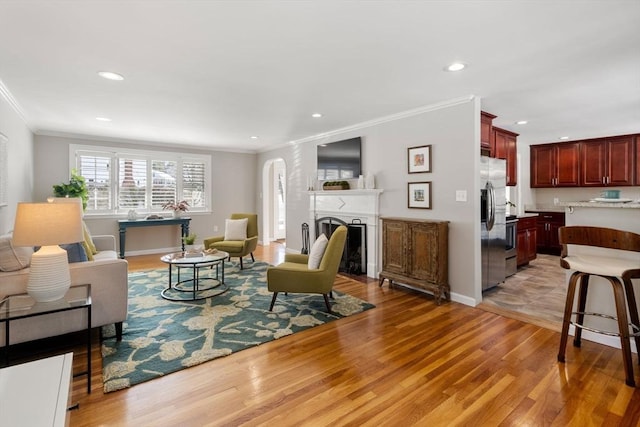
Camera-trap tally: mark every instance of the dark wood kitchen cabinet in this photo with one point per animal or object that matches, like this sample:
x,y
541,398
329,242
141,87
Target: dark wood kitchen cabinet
x,y
637,143
607,162
547,226
415,253
526,240
486,134
506,148
555,165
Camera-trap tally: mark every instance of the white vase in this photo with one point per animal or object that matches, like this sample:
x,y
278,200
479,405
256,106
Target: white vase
x,y
176,214
360,182
370,181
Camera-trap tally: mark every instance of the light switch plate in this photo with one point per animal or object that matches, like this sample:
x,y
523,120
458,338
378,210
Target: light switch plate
x,y
461,195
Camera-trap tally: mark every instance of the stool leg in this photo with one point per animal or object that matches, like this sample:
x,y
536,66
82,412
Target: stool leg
x,y
623,326
582,304
633,309
568,307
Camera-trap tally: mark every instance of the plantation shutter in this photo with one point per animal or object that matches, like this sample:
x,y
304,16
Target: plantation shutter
x,y
132,183
96,169
193,183
164,185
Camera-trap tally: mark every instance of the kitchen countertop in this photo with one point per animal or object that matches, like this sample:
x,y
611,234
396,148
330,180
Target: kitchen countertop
x,y
528,215
597,204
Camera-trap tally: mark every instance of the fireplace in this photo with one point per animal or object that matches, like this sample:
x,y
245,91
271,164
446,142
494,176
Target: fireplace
x,y
358,210
354,257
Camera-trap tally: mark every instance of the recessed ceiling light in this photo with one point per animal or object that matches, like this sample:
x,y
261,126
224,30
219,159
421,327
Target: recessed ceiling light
x,y
564,137
103,119
110,75
522,122
316,115
254,137
456,66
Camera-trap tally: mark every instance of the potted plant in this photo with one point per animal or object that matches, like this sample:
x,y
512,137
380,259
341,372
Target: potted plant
x,y
177,208
189,241
77,187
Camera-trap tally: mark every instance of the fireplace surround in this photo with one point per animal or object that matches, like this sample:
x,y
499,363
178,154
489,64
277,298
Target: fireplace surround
x,y
359,211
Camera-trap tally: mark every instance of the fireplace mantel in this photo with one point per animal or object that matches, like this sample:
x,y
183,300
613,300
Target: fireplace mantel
x,y
350,205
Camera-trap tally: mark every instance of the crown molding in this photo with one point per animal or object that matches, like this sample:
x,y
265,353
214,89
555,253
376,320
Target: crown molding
x,y
6,94
380,120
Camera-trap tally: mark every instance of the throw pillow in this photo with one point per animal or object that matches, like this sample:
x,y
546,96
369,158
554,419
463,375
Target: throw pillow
x,y
317,251
235,229
88,240
75,252
13,258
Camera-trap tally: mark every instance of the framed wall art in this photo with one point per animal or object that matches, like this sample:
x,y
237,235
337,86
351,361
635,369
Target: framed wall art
x,y
419,159
419,194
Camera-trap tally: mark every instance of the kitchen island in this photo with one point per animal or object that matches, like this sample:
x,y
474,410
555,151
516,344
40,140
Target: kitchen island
x,y
619,215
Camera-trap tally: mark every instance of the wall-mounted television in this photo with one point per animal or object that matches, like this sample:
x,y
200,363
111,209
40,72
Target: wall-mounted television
x,y
340,159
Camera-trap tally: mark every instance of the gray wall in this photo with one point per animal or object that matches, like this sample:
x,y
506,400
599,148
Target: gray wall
x,y
20,162
453,131
232,184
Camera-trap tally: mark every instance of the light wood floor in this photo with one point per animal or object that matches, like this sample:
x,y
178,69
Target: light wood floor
x,y
405,362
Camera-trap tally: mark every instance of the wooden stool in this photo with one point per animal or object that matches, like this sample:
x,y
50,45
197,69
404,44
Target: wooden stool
x,y
607,267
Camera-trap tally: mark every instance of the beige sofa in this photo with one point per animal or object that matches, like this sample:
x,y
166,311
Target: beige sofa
x,y
107,275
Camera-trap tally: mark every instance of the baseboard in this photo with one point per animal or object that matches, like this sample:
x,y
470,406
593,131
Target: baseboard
x,y
463,299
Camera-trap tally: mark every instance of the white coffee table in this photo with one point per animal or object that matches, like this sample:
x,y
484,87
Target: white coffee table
x,y
194,287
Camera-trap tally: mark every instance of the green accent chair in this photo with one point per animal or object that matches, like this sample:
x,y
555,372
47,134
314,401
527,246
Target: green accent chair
x,y
293,275
237,248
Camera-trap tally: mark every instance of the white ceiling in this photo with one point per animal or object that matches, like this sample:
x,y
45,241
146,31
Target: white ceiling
x,y
214,73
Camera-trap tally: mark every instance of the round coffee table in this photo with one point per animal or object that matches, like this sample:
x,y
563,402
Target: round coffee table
x,y
192,289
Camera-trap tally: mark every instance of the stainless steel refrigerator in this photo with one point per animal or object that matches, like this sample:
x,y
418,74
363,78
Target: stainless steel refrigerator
x,y
493,219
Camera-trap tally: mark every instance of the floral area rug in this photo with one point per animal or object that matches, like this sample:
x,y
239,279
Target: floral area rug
x,y
161,337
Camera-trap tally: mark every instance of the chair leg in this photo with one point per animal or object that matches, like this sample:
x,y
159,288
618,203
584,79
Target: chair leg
x,y
241,263
582,304
118,331
568,307
273,301
633,310
326,301
623,327
252,258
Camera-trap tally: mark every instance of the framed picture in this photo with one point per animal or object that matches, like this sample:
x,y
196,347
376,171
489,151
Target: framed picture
x,y
420,195
419,159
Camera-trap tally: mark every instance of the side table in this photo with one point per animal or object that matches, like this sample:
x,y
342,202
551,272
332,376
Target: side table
x,y
22,306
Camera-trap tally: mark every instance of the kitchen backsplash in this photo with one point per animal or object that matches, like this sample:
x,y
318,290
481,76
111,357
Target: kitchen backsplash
x,y
547,196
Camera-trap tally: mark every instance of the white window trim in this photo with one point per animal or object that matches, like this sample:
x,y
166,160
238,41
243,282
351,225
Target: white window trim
x,y
117,152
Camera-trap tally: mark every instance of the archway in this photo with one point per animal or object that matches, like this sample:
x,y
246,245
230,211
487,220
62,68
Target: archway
x,y
274,202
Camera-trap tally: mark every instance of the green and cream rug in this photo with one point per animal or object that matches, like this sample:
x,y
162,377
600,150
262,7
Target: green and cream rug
x,y
161,337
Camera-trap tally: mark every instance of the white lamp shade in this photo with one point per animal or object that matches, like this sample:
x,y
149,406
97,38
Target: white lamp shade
x,y
44,224
47,225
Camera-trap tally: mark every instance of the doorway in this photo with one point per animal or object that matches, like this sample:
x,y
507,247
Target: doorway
x,y
274,200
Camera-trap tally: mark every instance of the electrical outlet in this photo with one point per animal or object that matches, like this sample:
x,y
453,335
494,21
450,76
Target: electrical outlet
x,y
215,228
461,195
555,200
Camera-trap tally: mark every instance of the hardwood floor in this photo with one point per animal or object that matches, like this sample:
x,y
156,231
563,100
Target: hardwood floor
x,y
405,362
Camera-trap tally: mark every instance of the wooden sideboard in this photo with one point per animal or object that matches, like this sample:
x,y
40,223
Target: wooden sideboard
x,y
415,252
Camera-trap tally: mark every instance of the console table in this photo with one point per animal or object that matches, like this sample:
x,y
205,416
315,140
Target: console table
x,y
123,224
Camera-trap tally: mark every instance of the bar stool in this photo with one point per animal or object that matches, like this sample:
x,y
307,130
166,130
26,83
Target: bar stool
x,y
607,267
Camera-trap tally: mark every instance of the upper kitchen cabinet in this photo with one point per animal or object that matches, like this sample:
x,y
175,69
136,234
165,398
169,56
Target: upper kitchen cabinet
x,y
486,134
506,148
637,160
555,165
607,162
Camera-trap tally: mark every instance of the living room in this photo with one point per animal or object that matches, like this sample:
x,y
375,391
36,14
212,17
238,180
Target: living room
x,y
39,156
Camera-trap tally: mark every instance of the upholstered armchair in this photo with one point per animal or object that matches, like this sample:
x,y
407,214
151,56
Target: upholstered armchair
x,y
297,276
240,236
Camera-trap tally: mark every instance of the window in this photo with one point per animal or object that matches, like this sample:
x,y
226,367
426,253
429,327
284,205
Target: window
x,y
119,181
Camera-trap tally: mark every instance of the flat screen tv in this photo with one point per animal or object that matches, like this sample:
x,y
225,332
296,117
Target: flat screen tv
x,y
339,160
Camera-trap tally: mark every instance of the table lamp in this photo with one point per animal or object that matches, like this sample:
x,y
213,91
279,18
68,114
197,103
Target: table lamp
x,y
48,225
